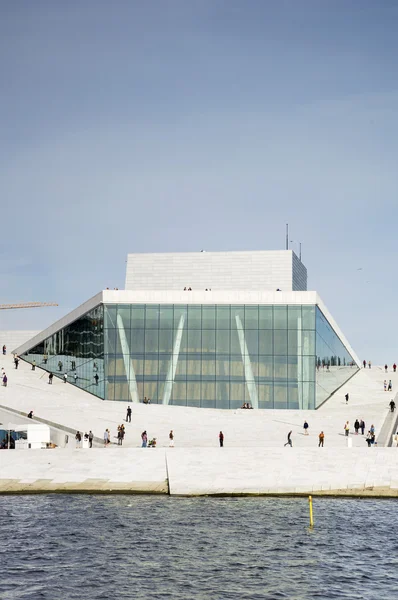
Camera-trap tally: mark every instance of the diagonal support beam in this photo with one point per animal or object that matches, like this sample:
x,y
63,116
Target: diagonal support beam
x,y
171,372
251,384
128,363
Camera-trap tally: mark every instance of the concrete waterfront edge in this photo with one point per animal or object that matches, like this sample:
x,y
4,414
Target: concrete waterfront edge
x,y
214,472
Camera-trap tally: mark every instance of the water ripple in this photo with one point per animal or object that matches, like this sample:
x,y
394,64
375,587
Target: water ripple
x,y
68,547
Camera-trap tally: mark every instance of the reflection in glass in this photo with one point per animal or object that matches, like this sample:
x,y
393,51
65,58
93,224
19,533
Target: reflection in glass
x,y
205,356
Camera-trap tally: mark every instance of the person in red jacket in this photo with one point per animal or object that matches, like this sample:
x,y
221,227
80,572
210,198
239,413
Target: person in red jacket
x,y
221,438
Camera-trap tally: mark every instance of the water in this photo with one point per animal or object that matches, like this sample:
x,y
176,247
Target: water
x,y
91,547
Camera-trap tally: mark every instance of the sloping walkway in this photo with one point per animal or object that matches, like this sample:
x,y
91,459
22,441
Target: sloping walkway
x,y
68,406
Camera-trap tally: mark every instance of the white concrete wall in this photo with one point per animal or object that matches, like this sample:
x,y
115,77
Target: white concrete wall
x,y
262,270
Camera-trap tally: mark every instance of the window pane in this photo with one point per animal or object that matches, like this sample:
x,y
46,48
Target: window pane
x,y
194,317
152,317
208,317
280,342
265,317
251,317
137,317
280,317
223,317
308,313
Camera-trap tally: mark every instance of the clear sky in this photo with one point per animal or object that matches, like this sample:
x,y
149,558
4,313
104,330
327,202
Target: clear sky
x,y
169,125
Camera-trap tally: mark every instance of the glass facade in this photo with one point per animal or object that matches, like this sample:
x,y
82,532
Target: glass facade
x,y
77,350
334,364
213,356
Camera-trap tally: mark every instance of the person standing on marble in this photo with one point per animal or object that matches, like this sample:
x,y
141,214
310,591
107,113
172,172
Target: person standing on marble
x,y
105,438
171,438
386,368
385,385
321,439
347,429
221,439
347,397
50,378
65,377
289,440
362,426
305,427
33,365
144,438
356,426
90,439
390,385
128,416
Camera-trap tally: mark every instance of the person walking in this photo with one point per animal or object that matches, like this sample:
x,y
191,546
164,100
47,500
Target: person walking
x,y
362,426
4,350
392,405
171,439
385,385
128,415
5,380
389,389
106,438
144,438
76,377
364,364
386,368
65,377
78,438
347,429
369,439
50,378
96,378
90,439
369,364
289,440
16,361
305,427
356,426
321,439
221,439
34,365
347,397
394,367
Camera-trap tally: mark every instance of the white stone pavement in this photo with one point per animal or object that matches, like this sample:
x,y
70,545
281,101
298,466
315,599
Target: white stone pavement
x,y
252,461
197,427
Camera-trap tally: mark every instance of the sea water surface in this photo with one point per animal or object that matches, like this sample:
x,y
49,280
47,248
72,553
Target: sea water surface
x,y
93,547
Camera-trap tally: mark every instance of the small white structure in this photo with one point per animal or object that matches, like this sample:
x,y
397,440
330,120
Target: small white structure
x,y
30,436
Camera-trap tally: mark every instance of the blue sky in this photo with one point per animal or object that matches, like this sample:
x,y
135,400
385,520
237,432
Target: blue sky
x,y
171,125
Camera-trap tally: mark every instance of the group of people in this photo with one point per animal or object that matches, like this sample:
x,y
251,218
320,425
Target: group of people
x,y
87,437
368,363
394,368
246,405
387,387
358,425
121,432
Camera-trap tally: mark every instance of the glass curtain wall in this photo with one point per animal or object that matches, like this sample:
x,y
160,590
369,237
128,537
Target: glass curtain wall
x,y
205,356
77,350
211,356
334,364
